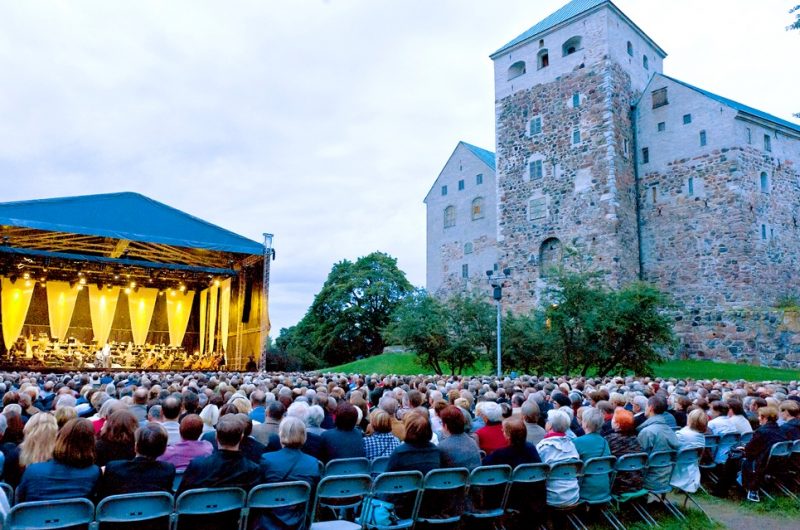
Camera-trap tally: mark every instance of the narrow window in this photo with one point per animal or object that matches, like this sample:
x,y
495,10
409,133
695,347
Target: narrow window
x,y
515,70
764,182
479,179
576,99
576,137
536,126
450,216
655,194
645,155
703,139
763,231
749,136
625,146
465,271
444,191
461,185
542,59
691,186
535,170
477,208
468,248
767,143
630,48
659,97
687,119
645,62
537,209
662,126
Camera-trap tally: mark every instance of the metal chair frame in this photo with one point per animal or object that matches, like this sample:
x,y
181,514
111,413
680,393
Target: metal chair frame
x,y
278,495
44,515
602,466
778,452
397,483
629,463
453,479
347,466
133,505
568,470
664,460
688,456
489,477
340,487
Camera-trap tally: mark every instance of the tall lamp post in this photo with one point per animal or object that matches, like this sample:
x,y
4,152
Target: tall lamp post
x,y
269,255
497,281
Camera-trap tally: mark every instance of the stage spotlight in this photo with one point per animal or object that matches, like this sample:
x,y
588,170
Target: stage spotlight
x,y
127,290
80,287
82,281
172,292
28,283
182,288
133,285
116,276
26,276
216,283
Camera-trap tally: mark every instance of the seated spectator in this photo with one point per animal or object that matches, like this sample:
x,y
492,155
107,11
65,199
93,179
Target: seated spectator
x,y
756,452
64,414
40,440
258,400
70,473
737,417
416,453
190,446
262,432
624,441
678,410
530,413
288,464
314,421
381,442
557,447
171,410
592,445
687,477
139,406
343,441
209,415
144,472
790,413
655,434
250,447
116,440
490,436
458,448
10,470
639,409
720,425
226,466
519,450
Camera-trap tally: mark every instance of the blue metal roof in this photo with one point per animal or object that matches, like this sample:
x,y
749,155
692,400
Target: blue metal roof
x,y
487,157
739,106
124,215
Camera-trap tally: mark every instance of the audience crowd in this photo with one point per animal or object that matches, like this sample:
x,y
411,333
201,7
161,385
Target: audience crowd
x,y
98,434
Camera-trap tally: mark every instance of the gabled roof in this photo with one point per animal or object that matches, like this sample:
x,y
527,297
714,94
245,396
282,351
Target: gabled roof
x,y
573,10
487,157
125,215
739,106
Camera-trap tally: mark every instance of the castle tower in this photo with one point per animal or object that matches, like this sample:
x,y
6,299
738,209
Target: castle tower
x,y
565,144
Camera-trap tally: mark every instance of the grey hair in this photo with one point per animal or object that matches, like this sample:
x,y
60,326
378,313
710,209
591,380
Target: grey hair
x,y
531,411
299,410
315,416
65,400
641,402
558,419
593,420
492,411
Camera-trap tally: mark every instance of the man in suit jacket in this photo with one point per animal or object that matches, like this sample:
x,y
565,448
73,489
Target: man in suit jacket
x,y
144,472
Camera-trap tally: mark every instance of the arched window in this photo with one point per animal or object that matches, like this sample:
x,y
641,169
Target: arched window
x,y
516,70
477,208
549,256
764,182
449,216
630,49
543,59
571,46
468,248
645,62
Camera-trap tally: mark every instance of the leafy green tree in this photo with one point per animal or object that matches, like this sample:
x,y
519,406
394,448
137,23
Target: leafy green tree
x,y
346,319
796,12
526,343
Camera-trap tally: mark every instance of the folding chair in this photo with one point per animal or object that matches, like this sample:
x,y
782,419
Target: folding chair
x,y
632,463
212,508
152,508
563,471
708,458
397,488
379,465
728,441
9,491
267,498
48,515
443,496
777,465
340,493
176,482
688,457
527,491
745,438
599,471
348,466
488,492
662,463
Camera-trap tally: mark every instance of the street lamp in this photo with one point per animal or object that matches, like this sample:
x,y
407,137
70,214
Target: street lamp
x,y
497,282
269,255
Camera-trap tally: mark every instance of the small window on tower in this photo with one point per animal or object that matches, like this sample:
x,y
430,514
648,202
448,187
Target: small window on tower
x,y
477,208
625,146
749,136
460,185
571,46
645,155
543,59
576,137
654,192
479,179
576,99
630,48
764,182
703,139
450,216
687,119
537,209
536,125
515,70
660,97
465,271
535,170
691,187
763,231
468,248
662,126
645,62
444,191
767,143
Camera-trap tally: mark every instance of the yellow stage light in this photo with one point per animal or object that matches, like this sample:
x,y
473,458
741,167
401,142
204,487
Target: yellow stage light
x,y
82,281
127,290
26,276
216,283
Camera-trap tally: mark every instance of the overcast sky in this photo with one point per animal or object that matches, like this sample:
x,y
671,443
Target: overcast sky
x,y
324,122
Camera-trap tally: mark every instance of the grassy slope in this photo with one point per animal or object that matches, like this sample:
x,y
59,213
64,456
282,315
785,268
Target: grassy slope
x,y
406,364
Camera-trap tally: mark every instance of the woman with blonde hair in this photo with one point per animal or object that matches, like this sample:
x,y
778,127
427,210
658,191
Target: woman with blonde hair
x,y
40,439
64,414
687,476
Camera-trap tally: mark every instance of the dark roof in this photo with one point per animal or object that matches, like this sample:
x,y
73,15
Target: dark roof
x,y
487,157
124,215
739,106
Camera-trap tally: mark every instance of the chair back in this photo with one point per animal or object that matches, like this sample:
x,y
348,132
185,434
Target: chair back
x,y
176,482
595,489
660,466
631,462
661,459
8,489
710,451
397,483
567,470
689,455
795,448
745,438
729,439
348,466
222,505
280,495
340,491
47,515
446,479
379,465
134,507
490,476
780,450
530,473
443,496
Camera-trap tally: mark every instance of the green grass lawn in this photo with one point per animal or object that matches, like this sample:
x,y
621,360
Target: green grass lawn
x,y
406,364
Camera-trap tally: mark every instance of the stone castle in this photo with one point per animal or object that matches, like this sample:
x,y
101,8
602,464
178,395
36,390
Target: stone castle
x,y
599,151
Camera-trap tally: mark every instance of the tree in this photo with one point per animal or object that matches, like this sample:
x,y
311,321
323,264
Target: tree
x,y
796,12
526,342
346,319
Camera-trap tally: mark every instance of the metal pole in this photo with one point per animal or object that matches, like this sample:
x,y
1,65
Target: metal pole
x,y
264,301
499,340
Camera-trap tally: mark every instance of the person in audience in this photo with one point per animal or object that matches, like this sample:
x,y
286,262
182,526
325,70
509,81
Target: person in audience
x,y
519,450
490,436
720,425
154,414
258,400
679,406
686,477
139,406
250,447
530,413
190,446
655,434
40,440
64,414
756,452
14,431
144,472
790,413
286,465
737,416
624,441
263,431
226,466
10,471
554,448
639,409
416,453
591,444
381,442
209,415
171,410
458,448
70,473
116,440
343,441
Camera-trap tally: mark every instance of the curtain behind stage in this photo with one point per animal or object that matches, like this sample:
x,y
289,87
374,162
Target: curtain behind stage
x,y
60,306
179,309
212,321
102,306
225,312
15,299
141,304
203,318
